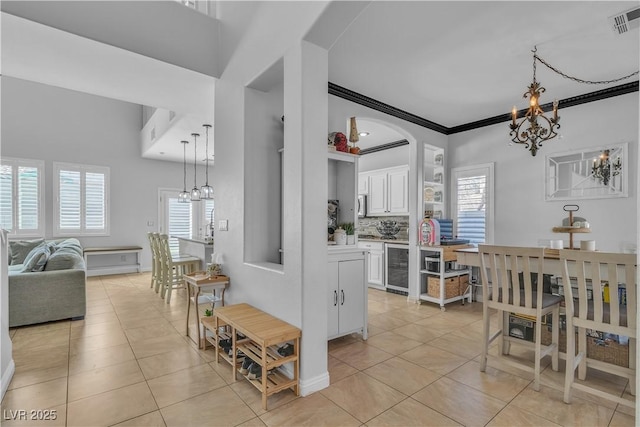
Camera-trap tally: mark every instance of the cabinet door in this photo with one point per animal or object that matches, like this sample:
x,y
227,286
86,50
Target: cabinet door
x,y
377,199
398,182
351,295
376,268
333,300
363,183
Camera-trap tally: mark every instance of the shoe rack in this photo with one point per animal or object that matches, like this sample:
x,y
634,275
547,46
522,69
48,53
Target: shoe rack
x,y
263,336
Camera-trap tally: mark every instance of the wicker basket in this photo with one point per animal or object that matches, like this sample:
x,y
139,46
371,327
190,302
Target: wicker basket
x,y
451,287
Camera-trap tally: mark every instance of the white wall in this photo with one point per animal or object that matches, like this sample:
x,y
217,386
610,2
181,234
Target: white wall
x,y
522,216
385,159
53,124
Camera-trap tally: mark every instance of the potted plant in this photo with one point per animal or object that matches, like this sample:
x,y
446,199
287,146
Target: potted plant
x,y
350,230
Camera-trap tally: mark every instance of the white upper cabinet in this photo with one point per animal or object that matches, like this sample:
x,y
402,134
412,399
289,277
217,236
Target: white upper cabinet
x,y
363,183
389,191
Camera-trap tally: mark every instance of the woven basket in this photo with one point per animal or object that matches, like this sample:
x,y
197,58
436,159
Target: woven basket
x,y
451,287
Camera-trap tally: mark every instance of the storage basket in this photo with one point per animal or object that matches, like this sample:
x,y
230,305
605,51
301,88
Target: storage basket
x,y
451,287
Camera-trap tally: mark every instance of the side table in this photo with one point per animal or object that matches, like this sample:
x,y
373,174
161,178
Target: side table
x,y
196,282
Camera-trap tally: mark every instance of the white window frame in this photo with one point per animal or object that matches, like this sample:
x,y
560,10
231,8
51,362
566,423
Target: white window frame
x,y
83,169
200,217
15,164
486,169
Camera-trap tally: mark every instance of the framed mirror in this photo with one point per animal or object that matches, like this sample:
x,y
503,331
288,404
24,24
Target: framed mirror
x,y
596,173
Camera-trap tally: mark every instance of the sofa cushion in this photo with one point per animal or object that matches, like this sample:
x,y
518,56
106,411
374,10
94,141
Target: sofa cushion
x,y
21,248
71,245
63,259
37,258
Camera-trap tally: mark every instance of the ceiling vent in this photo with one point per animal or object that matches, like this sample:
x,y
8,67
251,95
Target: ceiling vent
x,y
625,21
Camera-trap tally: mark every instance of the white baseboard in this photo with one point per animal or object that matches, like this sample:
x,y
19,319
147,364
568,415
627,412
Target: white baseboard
x,y
7,375
314,384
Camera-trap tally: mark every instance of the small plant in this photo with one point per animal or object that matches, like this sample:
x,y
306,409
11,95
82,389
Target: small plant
x,y
349,228
208,313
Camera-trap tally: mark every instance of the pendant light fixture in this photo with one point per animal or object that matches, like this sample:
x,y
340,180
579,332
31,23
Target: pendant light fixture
x,y
206,190
184,196
195,191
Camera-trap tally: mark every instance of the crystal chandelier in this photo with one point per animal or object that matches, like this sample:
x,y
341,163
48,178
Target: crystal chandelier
x,y
184,196
534,128
604,170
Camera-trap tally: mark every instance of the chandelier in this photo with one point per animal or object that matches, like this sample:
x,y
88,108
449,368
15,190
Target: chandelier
x,y
602,171
195,191
534,128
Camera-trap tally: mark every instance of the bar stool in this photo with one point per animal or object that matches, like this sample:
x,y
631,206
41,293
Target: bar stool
x,y
608,311
173,268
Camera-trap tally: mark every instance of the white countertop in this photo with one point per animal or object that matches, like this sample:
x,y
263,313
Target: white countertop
x,y
194,240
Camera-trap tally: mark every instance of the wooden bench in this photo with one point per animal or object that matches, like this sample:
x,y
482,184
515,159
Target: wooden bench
x,y
112,268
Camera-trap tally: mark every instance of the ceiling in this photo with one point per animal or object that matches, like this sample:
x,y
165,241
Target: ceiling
x,y
450,62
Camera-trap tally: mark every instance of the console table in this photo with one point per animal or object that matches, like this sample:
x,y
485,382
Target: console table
x,y
202,281
263,334
112,267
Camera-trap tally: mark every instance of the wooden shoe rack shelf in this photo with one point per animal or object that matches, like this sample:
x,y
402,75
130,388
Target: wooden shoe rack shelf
x,y
263,335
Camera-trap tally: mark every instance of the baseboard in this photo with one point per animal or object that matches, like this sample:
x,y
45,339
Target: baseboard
x,y
7,375
108,270
314,384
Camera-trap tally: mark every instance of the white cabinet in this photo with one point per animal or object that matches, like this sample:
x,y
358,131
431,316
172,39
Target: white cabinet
x,y
363,183
389,191
347,294
375,258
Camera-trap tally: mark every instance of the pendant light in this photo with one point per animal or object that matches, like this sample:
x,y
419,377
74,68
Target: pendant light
x,y
206,189
195,191
184,196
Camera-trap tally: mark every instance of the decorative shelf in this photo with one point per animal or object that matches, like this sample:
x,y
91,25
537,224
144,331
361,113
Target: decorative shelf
x,y
571,231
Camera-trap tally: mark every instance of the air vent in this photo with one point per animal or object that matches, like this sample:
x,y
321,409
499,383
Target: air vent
x,y
625,21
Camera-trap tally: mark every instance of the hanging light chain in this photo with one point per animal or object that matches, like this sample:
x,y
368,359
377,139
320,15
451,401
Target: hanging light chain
x,y
575,79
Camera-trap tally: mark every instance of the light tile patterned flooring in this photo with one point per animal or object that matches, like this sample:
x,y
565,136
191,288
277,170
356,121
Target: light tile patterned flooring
x,y
129,364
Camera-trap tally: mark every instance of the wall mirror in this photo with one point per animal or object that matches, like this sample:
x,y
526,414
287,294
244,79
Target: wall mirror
x,y
596,173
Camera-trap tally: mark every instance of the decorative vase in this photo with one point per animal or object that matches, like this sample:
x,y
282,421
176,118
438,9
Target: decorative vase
x,y
340,236
351,239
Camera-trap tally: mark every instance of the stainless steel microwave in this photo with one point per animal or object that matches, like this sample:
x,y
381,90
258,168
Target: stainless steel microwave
x,y
362,206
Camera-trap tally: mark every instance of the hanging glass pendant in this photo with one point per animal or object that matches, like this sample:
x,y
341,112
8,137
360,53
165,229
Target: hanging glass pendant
x,y
206,190
195,191
184,196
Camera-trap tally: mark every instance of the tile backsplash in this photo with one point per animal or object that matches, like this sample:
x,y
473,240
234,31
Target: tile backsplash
x,y
367,226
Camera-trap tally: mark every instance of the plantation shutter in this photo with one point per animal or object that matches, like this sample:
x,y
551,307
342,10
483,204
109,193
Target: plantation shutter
x,y
28,198
473,202
180,222
6,197
70,204
95,201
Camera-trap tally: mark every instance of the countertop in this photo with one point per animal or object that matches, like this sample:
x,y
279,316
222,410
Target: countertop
x,y
380,239
197,240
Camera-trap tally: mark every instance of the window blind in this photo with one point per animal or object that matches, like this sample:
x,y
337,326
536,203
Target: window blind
x,y
471,208
21,197
6,197
180,222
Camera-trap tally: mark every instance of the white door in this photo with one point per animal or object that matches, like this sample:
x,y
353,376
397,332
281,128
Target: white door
x,y
333,300
377,199
398,182
350,295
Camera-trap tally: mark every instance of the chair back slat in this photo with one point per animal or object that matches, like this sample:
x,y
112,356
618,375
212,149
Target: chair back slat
x,y
612,273
502,268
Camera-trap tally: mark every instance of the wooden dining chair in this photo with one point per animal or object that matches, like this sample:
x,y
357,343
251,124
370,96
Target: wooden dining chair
x,y
156,259
508,276
604,301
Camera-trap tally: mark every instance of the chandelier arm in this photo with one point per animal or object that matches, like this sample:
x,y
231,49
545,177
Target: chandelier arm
x,y
576,79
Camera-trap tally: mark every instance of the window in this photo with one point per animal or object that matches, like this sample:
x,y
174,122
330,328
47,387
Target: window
x,y
21,197
81,205
184,219
472,189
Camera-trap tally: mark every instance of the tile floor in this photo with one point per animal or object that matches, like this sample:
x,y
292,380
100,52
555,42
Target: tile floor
x,y
128,363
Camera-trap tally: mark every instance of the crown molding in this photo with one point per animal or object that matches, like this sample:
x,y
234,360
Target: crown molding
x,y
383,147
374,104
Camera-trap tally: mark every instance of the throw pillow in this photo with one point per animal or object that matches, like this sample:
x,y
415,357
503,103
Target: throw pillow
x,y
62,260
21,248
36,259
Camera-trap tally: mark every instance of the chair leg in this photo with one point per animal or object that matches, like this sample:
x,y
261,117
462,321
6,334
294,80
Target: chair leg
x,y
570,373
538,352
555,338
632,365
485,338
582,349
504,346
